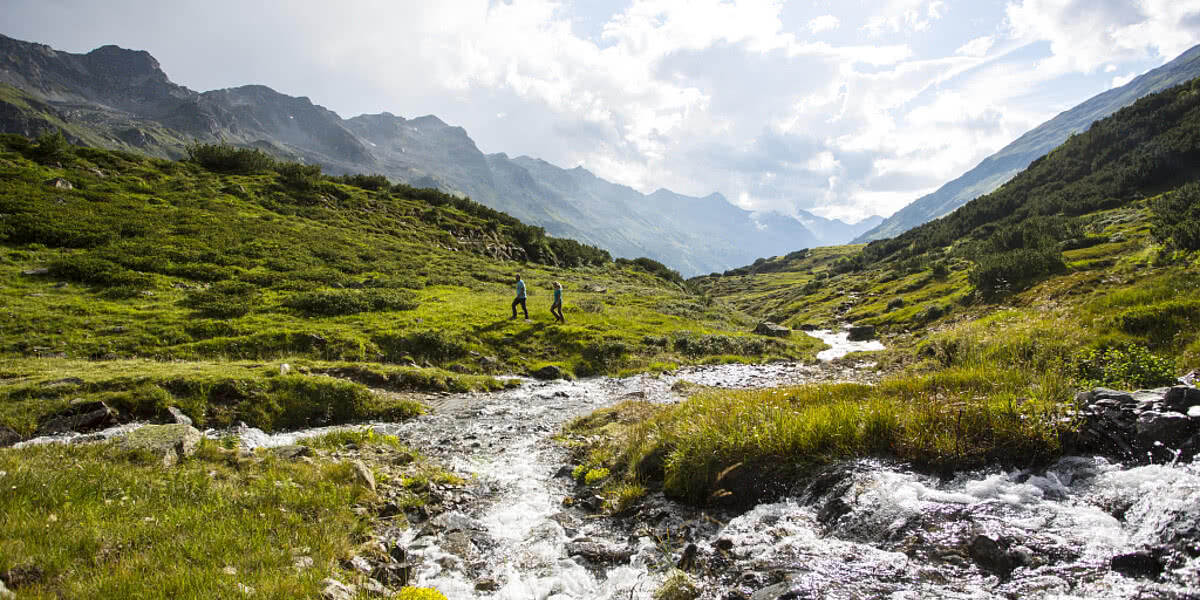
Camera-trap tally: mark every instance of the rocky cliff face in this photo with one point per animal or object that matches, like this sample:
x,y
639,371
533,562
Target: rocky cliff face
x,y
117,98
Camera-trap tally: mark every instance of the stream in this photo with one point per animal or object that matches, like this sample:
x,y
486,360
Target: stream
x,y
860,529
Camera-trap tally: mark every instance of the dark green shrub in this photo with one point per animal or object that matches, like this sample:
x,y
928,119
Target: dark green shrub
x,y
433,345
223,158
299,177
653,267
223,300
995,275
1161,321
1131,367
51,148
694,346
373,183
333,302
606,354
1176,218
93,270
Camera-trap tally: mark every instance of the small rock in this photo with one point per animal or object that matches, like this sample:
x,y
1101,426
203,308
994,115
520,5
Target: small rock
x,y
170,443
301,563
600,552
333,589
230,571
8,437
178,417
772,329
1137,564
487,584
859,333
60,183
245,589
688,560
374,588
548,372
63,382
357,563
991,555
39,271
285,368
363,475
4,593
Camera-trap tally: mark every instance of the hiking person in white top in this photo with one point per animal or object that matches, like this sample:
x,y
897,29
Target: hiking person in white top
x,y
520,299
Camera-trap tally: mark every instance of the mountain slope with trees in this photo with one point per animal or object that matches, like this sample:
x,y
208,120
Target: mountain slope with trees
x,y
1000,167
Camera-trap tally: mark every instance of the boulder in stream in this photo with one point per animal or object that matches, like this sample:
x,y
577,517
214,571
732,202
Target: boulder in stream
x,y
860,333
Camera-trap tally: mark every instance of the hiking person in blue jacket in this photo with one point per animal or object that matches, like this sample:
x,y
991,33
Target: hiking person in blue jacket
x,y
556,308
520,299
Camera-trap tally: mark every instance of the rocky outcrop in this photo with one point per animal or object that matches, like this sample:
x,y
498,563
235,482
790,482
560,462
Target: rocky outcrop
x,y
80,416
858,333
772,329
8,437
1159,425
168,443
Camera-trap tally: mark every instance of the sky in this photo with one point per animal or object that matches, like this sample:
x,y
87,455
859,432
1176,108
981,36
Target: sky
x,y
844,108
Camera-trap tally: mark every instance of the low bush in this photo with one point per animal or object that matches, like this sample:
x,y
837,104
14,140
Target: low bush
x,y
1130,367
434,345
223,300
1176,220
92,270
999,274
223,158
335,302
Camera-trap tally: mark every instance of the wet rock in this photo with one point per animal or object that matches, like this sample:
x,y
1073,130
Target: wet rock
x,y
772,329
858,333
169,443
392,574
293,452
357,563
688,559
724,544
363,475
991,555
8,437
1143,563
598,551
1181,398
178,417
548,372
80,416
487,584
833,510
779,591
1171,429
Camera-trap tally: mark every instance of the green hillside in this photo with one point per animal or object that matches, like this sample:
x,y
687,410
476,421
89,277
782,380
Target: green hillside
x,y
1082,271
116,264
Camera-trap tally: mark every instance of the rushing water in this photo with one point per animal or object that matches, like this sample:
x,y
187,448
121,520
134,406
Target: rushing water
x,y
863,529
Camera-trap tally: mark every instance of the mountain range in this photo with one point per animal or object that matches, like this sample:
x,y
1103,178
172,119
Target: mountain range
x,y
995,170
122,99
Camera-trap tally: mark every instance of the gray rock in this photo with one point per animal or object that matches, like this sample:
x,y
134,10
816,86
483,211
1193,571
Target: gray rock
x,y
332,589
39,271
363,474
599,552
301,563
178,417
1181,398
989,554
774,592
5,594
170,443
548,372
861,332
1137,564
66,381
8,437
1171,429
1107,394
772,329
60,183
285,368
80,416
358,563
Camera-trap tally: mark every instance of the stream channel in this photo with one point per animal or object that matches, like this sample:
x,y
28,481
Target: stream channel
x,y
861,529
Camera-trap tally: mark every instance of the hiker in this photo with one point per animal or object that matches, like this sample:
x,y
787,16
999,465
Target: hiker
x,y
556,308
520,299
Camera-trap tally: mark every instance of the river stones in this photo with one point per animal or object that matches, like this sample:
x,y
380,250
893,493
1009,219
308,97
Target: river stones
x,y
1143,563
168,443
177,416
548,372
598,551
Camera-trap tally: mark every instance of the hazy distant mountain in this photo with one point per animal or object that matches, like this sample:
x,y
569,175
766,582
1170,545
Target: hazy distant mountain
x,y
117,98
998,168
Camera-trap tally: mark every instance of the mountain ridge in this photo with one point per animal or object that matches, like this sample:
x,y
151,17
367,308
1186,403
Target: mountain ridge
x,y
122,99
995,170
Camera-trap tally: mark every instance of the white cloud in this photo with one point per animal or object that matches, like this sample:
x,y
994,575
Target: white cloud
x,y
904,16
1121,80
977,47
823,23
